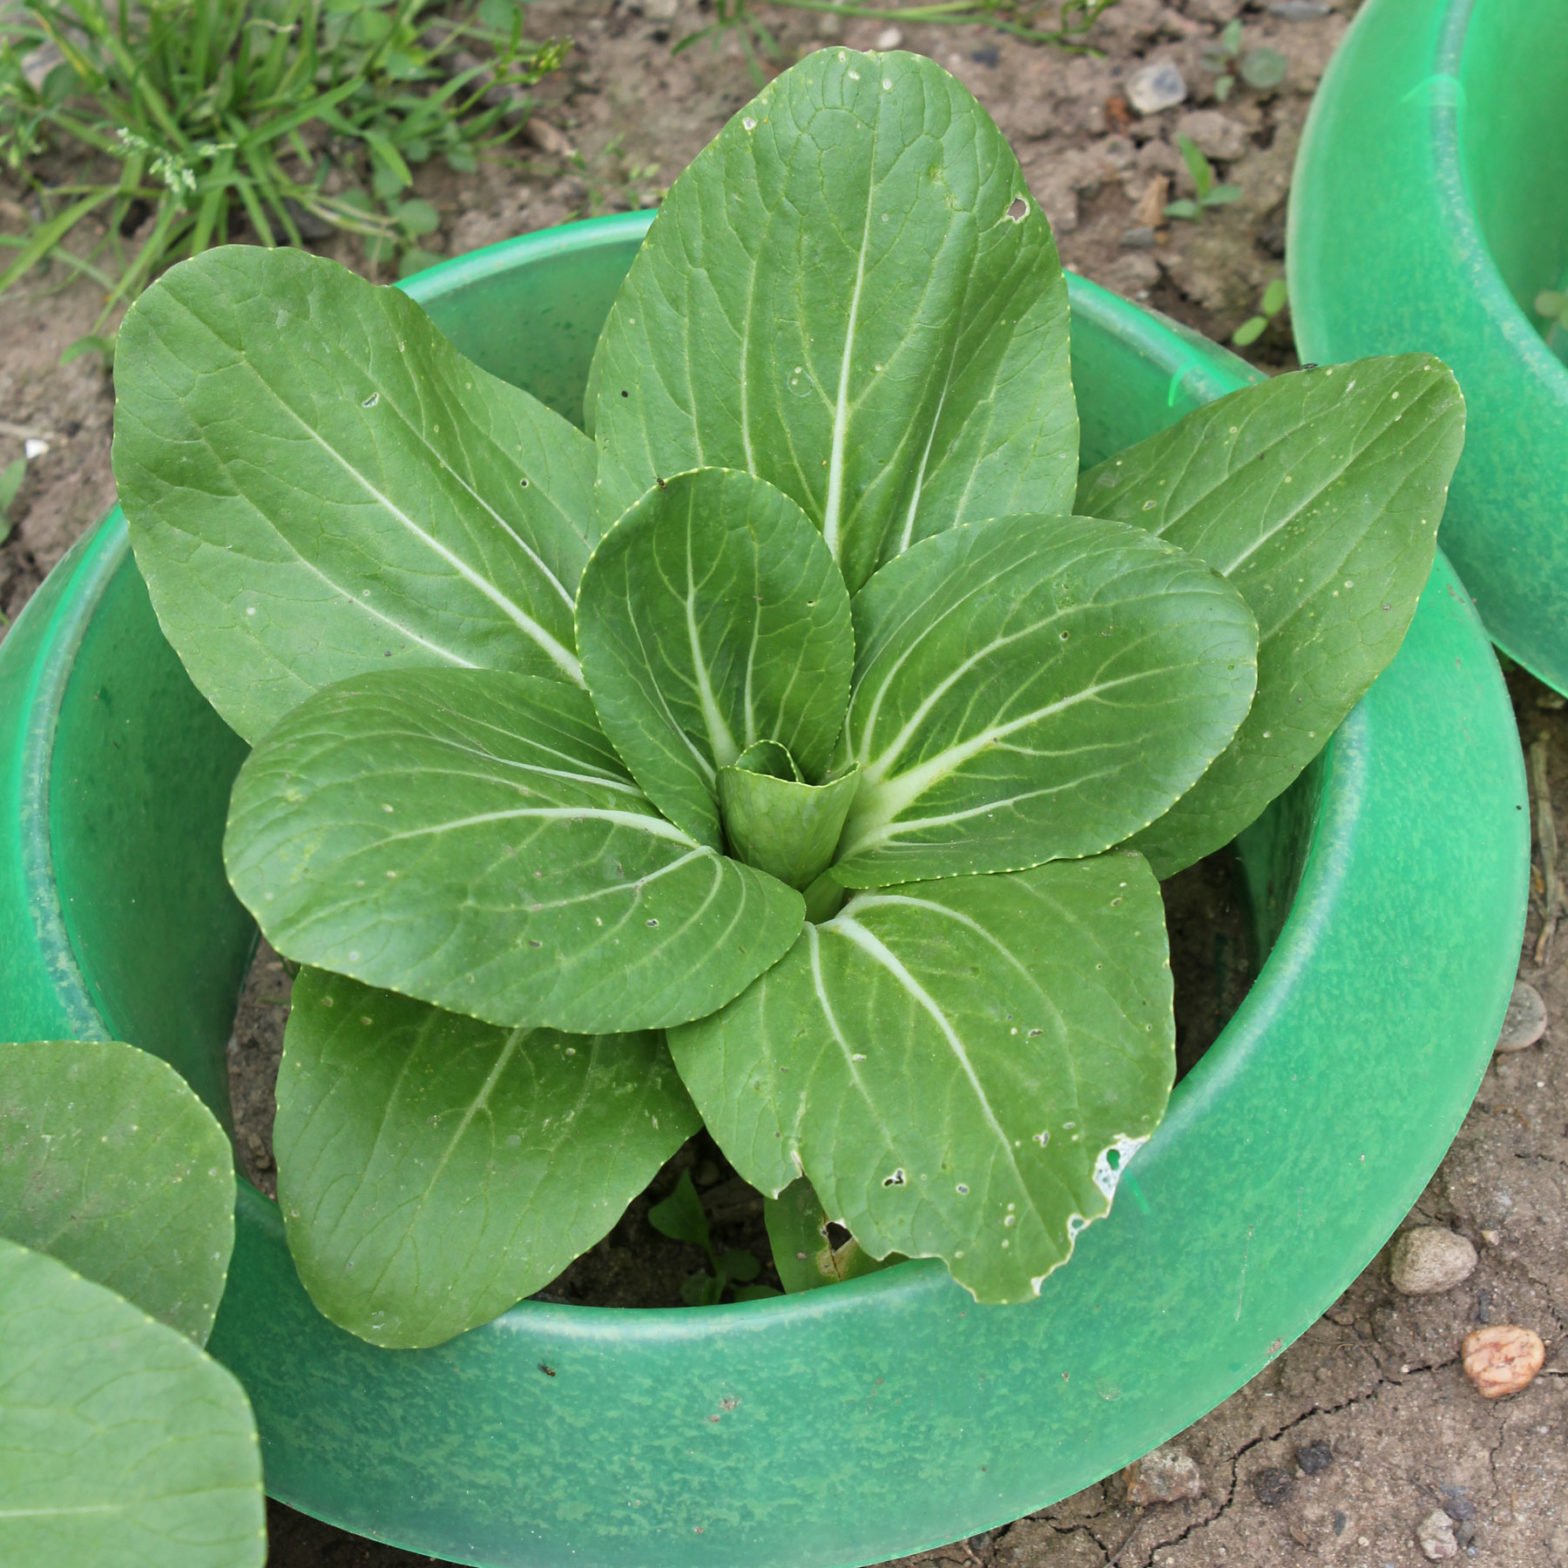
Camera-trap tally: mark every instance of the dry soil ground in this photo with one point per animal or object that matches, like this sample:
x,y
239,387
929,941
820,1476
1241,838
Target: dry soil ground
x,y
1366,1427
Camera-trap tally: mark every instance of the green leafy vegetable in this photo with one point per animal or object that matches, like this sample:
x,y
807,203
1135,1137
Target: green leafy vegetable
x,y
490,855
320,479
124,1444
794,714
851,294
456,1166
959,1067
109,1163
710,619
121,1443
1033,688
1317,495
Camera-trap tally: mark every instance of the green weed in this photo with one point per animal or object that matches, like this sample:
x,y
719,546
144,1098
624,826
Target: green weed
x,y
1271,302
1261,69
1206,192
681,1217
292,116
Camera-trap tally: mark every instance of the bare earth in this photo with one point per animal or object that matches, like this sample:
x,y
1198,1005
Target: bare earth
x,y
1367,1426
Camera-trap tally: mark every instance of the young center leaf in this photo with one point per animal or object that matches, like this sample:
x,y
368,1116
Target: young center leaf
x,y
712,618
110,1163
121,1443
318,484
851,294
1317,496
1032,689
777,822
959,1068
469,838
433,1170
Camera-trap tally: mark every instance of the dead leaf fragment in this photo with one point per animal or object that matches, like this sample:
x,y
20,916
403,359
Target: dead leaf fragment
x,y
1150,211
1502,1358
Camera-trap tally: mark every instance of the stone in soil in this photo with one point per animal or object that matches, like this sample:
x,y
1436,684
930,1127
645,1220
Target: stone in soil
x,y
1428,1259
1165,1475
1157,87
1435,1536
1502,1359
1525,1021
1273,1487
1314,1458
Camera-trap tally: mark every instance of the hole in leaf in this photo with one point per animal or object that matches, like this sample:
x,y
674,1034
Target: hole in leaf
x,y
1019,209
838,1237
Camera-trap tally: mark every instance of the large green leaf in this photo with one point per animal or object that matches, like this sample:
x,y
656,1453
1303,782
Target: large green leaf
x,y
433,1170
469,838
121,1444
851,294
711,618
318,483
960,1068
109,1163
1032,689
1317,495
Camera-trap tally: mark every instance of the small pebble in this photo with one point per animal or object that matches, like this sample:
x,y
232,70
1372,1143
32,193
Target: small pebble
x,y
1525,1021
1428,1258
1299,10
1165,1475
1435,1537
1314,1458
660,10
1502,1358
1153,88
34,447
889,38
1273,1486
1140,238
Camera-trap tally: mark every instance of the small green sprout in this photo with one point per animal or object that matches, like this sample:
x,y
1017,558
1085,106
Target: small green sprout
x,y
1207,192
681,1217
1273,300
1261,69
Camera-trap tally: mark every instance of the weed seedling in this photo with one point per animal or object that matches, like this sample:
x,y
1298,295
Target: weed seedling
x,y
1271,302
1261,69
1206,192
681,1217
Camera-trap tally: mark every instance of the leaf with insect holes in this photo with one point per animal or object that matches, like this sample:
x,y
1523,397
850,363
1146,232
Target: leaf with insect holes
x,y
1317,495
1032,689
850,294
124,1443
318,484
433,1170
805,1252
959,1068
110,1163
469,838
710,619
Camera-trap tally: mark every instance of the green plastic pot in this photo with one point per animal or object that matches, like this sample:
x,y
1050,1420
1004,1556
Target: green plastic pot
x,y
875,1418
1429,208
